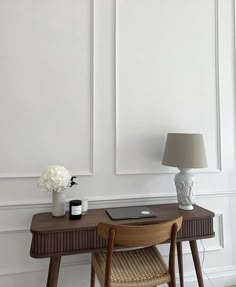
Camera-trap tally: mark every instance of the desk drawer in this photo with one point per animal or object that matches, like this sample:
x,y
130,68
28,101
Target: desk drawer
x,y
48,244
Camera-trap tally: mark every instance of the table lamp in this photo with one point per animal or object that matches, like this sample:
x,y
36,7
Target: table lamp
x,y
185,151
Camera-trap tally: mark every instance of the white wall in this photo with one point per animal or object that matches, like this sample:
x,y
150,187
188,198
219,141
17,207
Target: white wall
x,y
95,86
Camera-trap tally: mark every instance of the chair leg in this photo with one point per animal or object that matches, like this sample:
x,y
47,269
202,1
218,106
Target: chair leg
x,y
92,280
172,283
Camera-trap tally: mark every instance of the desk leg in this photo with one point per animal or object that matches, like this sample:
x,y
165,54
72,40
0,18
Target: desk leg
x,y
53,271
195,255
180,263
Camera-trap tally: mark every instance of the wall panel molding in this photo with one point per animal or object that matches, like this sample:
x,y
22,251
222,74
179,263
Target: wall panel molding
x,y
14,230
90,171
29,269
138,171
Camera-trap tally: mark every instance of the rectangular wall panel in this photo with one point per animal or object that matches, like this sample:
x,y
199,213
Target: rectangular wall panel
x,y
46,104
166,80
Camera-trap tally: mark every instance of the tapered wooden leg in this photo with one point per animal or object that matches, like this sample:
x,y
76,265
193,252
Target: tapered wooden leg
x,y
195,255
180,263
92,280
53,271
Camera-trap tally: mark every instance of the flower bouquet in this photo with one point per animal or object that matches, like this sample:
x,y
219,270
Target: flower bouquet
x,y
56,179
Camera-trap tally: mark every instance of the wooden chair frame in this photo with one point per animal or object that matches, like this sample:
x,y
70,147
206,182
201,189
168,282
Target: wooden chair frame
x,y
138,236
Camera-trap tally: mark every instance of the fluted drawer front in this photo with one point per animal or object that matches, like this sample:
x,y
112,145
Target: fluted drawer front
x,y
70,242
81,241
196,228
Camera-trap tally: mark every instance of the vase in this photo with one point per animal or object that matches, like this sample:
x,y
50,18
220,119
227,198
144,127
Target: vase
x,y
58,203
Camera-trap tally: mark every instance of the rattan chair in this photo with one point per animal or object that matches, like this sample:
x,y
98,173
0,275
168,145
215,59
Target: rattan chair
x,y
139,267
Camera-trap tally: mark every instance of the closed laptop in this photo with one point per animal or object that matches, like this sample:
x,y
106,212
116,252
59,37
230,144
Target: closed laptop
x,y
130,212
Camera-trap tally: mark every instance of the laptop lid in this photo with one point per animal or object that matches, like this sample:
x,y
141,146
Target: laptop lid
x,y
130,212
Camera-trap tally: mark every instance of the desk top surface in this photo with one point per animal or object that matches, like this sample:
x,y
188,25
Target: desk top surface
x,y
45,222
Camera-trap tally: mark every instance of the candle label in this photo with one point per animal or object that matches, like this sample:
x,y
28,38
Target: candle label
x,y
76,210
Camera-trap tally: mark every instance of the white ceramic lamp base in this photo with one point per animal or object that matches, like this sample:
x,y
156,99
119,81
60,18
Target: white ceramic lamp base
x,y
185,187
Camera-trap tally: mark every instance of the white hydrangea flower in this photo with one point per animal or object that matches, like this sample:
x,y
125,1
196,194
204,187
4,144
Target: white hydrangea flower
x,y
55,178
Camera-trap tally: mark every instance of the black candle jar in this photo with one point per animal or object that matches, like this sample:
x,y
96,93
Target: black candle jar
x,y
75,209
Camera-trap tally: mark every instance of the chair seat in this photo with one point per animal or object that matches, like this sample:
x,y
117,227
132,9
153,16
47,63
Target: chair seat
x,y
141,267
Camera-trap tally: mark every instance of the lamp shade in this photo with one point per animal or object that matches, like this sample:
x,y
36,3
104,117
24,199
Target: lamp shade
x,y
185,151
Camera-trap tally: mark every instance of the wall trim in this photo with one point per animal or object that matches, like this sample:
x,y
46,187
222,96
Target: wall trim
x,y
90,172
36,206
212,273
99,201
14,271
221,230
119,171
92,101
14,230
217,78
170,171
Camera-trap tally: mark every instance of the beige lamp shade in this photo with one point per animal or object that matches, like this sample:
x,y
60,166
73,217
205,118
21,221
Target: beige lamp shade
x,y
185,151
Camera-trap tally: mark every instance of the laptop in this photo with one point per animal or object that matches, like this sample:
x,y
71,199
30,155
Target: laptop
x,y
130,212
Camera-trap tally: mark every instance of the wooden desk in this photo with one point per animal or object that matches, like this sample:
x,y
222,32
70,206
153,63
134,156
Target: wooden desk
x,y
55,237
